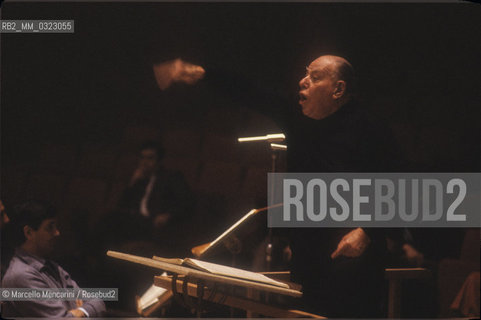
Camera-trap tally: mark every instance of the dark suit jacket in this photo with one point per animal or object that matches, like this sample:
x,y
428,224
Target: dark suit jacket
x,y
170,194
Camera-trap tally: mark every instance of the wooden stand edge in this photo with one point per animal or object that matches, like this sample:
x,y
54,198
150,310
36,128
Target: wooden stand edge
x,y
234,302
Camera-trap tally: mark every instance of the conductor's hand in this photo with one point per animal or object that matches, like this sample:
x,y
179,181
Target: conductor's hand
x,y
166,73
352,244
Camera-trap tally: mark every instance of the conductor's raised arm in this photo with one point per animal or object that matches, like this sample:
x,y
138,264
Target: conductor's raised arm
x,y
177,70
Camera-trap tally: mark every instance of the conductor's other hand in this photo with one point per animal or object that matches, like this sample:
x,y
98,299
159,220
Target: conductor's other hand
x,y
352,244
177,70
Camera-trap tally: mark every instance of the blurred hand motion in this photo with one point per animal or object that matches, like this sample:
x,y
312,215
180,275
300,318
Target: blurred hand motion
x,y
352,244
166,73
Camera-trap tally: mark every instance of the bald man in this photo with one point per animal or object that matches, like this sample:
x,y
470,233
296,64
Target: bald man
x,y
326,87
341,270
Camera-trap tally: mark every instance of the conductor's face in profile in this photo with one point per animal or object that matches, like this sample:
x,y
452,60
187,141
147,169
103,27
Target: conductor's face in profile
x,y
322,92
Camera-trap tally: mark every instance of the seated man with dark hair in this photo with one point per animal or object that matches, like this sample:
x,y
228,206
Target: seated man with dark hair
x,y
35,230
156,205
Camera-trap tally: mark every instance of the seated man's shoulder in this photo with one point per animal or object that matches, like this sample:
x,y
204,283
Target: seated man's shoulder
x,y
21,275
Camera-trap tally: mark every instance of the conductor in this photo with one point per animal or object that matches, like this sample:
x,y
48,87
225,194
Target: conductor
x,y
341,270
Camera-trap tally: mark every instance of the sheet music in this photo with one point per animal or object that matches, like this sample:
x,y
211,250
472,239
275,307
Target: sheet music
x,y
232,272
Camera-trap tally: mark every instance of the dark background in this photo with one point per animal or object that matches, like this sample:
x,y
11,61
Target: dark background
x,y
418,65
74,107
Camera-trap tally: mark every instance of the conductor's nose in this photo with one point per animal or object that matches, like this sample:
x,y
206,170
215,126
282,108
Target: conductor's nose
x,y
304,83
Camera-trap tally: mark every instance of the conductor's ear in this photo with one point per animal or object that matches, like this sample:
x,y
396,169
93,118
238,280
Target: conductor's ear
x,y
340,89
